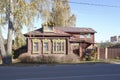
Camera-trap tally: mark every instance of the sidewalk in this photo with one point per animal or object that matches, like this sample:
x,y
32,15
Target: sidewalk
x,y
113,61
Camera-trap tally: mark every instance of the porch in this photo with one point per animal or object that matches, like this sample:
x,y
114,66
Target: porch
x,y
80,47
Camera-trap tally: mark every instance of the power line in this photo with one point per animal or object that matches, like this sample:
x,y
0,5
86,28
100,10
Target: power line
x,y
92,4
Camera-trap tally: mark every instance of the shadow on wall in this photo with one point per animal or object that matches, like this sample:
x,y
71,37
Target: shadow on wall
x,y
76,51
19,51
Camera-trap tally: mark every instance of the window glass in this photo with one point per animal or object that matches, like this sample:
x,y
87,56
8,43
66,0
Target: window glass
x,y
62,46
58,46
88,35
35,45
85,35
82,36
45,46
54,46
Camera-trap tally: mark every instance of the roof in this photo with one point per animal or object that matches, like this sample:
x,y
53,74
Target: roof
x,y
60,31
76,29
39,32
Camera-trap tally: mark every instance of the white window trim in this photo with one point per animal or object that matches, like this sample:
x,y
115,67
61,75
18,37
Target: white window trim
x,y
48,41
33,42
61,41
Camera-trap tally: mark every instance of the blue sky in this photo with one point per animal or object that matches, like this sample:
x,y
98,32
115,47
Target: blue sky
x,y
105,20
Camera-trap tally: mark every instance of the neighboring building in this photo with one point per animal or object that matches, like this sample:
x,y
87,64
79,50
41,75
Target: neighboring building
x,y
115,39
59,40
118,38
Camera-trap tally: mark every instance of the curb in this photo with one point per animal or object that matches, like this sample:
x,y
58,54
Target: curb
x,y
112,62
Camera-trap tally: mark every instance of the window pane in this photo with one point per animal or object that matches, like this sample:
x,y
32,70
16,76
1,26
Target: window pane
x,y
45,46
88,35
58,46
62,46
54,46
35,46
82,36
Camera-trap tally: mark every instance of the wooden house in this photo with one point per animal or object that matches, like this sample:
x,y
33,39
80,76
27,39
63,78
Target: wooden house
x,y
60,40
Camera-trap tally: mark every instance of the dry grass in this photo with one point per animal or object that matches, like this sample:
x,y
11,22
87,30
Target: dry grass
x,y
15,61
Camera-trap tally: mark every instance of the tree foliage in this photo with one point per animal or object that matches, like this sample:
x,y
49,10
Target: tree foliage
x,y
60,14
108,44
20,13
105,44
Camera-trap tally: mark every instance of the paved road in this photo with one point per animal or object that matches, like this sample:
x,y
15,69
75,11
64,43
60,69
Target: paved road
x,y
62,72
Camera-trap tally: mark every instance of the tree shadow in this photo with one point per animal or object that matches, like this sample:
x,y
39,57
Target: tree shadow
x,y
19,51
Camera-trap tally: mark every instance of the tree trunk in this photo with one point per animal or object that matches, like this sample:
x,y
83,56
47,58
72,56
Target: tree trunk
x,y
10,34
2,47
7,59
9,42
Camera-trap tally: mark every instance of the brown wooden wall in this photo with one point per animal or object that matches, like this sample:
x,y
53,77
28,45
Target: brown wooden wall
x,y
74,48
50,46
77,35
108,53
113,52
101,53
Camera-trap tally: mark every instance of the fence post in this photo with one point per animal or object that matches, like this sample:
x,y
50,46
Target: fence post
x,y
106,53
98,53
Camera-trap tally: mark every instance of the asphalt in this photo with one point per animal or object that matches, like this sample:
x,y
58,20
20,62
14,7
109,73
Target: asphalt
x,y
99,71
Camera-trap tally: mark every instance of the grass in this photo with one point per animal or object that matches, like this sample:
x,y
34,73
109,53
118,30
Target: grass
x,y
115,60
15,61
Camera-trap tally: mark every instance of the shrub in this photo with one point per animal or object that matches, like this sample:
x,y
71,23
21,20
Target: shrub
x,y
38,59
48,59
71,58
117,57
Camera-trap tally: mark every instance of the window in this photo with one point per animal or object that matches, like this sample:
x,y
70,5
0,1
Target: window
x,y
88,35
82,36
36,43
63,46
46,46
54,46
59,46
85,35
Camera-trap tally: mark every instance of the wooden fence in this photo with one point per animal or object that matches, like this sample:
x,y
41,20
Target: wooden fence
x,y
108,53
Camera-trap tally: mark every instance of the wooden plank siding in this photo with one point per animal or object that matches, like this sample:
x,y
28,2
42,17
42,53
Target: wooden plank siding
x,y
30,45
108,53
71,35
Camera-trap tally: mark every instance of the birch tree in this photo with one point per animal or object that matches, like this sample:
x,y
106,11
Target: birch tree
x,y
18,13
